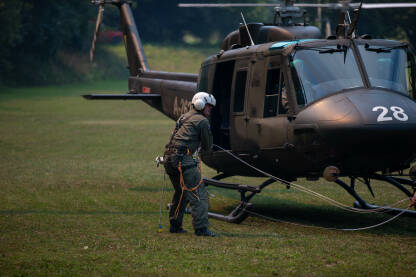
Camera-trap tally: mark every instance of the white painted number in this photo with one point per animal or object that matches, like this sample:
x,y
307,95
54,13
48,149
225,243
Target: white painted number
x,y
398,113
382,116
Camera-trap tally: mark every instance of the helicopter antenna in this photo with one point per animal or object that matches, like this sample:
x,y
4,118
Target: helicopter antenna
x,y
353,25
248,31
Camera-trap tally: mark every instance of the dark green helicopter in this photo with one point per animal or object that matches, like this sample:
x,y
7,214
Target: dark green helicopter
x,y
291,104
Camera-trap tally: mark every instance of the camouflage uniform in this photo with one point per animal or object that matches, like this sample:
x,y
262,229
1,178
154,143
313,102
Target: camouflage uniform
x,y
194,131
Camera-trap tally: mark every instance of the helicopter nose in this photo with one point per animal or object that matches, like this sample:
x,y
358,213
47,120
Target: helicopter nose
x,y
361,125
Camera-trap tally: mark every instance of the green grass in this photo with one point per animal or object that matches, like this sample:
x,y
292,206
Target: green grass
x,y
177,58
80,195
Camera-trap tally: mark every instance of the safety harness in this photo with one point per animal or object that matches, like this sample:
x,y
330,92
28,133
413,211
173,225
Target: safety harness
x,y
180,151
185,188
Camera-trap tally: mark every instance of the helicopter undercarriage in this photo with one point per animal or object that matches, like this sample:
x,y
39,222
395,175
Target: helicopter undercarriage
x,y
242,210
397,182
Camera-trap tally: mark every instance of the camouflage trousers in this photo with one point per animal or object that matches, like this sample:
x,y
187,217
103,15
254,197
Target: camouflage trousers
x,y
197,199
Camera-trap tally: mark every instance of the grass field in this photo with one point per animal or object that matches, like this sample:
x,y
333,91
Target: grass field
x,y
80,196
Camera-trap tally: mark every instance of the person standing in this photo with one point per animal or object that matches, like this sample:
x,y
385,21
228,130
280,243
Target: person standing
x,y
192,131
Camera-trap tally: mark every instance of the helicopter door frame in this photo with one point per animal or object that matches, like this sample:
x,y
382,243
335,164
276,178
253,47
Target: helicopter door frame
x,y
238,107
221,88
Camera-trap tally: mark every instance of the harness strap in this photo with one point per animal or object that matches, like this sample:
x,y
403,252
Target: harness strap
x,y
185,188
178,125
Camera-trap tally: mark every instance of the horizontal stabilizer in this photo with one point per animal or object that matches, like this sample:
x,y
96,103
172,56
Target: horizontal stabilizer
x,y
131,96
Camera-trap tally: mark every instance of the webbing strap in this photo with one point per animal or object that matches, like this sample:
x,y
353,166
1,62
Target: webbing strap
x,y
178,125
185,188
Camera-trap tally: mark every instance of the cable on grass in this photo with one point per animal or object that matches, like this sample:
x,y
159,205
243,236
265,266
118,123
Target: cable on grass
x,y
322,197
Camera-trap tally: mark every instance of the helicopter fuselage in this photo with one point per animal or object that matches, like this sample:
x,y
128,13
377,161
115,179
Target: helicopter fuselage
x,y
293,108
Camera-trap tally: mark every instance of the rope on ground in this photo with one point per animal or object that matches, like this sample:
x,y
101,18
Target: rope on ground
x,y
329,228
334,202
311,192
161,202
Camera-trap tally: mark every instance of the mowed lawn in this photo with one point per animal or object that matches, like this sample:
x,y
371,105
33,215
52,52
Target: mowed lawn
x,y
80,196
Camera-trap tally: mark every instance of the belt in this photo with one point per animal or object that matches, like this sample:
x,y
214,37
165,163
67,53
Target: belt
x,y
181,150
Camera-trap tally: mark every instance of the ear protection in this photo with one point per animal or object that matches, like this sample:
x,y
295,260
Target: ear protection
x,y
199,104
200,99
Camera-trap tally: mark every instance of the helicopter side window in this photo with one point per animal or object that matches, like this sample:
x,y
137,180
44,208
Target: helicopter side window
x,y
272,93
240,91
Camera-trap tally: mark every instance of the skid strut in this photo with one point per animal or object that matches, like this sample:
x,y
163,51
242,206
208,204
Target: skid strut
x,y
240,213
397,182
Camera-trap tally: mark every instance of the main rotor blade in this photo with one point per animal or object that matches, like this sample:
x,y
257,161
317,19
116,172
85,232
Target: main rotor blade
x,y
356,5
224,5
97,29
302,5
389,5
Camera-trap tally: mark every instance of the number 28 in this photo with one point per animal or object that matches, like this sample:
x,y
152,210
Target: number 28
x,y
398,113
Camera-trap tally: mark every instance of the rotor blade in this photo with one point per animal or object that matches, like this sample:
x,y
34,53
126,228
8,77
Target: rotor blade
x,y
356,5
329,5
303,5
389,5
97,29
129,96
224,5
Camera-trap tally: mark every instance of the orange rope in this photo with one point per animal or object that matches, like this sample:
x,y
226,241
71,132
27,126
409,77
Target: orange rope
x,y
184,187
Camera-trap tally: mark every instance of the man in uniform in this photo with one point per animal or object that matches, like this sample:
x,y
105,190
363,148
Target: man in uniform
x,y
191,132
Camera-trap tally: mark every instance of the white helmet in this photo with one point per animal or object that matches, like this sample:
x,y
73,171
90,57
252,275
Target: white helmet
x,y
200,99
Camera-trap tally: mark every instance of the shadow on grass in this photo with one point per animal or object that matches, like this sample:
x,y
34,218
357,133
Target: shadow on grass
x,y
328,217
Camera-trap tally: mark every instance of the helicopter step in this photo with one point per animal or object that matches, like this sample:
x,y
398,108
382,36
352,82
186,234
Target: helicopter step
x,y
240,213
396,182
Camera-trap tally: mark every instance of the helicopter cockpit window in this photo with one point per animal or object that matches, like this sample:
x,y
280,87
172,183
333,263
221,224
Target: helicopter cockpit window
x,y
387,67
324,70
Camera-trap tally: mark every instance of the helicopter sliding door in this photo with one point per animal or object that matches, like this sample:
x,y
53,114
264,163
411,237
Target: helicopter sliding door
x,y
238,121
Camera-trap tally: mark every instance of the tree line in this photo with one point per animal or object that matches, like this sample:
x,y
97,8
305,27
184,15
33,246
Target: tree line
x,y
36,33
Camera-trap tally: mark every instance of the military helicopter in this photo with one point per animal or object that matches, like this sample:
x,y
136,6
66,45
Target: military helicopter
x,y
291,104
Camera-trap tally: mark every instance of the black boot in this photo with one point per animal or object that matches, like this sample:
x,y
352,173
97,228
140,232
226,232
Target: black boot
x,y
175,228
179,230
204,232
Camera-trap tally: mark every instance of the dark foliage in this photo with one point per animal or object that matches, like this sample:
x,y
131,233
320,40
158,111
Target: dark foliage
x,y
34,34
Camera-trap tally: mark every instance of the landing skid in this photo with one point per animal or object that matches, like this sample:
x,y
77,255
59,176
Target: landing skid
x,y
395,181
240,213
